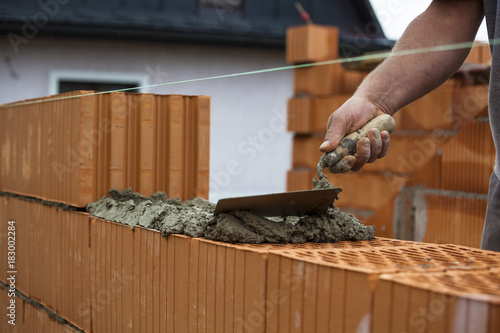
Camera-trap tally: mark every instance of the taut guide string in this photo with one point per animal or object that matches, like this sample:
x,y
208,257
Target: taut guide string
x,y
381,55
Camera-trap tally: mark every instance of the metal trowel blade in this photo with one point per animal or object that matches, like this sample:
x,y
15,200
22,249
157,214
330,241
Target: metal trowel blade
x,y
296,203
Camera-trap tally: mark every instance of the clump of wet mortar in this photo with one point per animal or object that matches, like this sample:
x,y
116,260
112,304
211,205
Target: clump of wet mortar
x,y
195,218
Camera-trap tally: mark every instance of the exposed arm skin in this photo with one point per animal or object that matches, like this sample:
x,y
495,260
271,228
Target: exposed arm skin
x,y
400,80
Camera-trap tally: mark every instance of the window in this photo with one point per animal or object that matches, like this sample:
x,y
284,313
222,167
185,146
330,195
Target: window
x,y
64,81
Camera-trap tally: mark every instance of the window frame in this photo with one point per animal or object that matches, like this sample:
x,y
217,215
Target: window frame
x,y
55,76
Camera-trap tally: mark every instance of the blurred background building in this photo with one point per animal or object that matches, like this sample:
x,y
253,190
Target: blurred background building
x,y
52,46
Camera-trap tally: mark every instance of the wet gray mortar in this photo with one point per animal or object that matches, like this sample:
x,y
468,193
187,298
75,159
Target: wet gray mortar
x,y
195,218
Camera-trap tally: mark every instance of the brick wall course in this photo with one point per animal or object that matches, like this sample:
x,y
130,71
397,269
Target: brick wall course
x,y
75,150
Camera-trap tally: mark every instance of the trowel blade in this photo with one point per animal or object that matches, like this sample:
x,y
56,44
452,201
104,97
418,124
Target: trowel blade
x,y
296,203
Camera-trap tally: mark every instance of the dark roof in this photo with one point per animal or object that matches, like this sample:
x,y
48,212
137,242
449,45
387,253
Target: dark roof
x,y
240,22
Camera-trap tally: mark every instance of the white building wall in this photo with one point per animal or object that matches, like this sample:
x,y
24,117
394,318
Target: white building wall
x,y
250,149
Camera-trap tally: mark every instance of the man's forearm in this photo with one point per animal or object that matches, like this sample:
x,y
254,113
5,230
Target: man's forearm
x,y
401,79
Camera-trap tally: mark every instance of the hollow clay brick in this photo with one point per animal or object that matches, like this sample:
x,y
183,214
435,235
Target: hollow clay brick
x,y
400,312
300,114
320,80
351,81
297,281
229,283
239,291
30,318
95,143
202,149
127,271
147,147
272,287
194,277
202,286
323,300
311,43
382,310
383,217
447,302
220,281
181,282
310,297
479,54
454,219
468,103
433,111
299,179
308,114
468,159
211,284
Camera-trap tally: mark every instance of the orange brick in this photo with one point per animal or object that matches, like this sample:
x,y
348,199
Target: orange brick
x,y
323,107
202,149
454,219
311,43
95,143
147,148
400,312
468,159
433,111
429,175
382,309
300,114
194,279
351,81
447,301
181,282
383,218
479,54
310,115
299,179
119,136
321,80
468,102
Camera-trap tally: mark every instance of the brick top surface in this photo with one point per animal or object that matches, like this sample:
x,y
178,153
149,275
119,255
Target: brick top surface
x,y
481,285
396,259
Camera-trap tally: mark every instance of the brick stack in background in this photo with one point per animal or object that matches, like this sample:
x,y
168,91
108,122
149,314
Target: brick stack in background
x,y
444,201
75,149
101,276
423,128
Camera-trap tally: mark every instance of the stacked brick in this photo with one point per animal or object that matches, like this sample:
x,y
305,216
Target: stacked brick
x,y
74,147
101,276
420,154
33,318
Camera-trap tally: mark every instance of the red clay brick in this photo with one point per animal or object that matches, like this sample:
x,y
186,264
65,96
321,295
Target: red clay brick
x,y
321,80
452,219
311,43
76,165
194,277
300,114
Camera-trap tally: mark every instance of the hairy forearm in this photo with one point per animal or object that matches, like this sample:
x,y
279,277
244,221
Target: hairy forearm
x,y
401,79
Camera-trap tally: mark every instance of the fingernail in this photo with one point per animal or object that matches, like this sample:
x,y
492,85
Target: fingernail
x,y
324,144
365,143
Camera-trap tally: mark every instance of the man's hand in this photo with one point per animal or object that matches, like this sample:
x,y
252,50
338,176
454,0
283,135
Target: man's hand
x,y
350,117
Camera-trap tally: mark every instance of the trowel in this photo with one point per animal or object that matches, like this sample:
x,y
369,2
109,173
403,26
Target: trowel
x,y
299,203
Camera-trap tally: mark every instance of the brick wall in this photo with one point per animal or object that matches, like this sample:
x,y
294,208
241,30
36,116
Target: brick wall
x,y
442,141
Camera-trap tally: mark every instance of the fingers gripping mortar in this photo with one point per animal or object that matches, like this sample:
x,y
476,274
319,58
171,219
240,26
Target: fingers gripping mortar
x,y
348,144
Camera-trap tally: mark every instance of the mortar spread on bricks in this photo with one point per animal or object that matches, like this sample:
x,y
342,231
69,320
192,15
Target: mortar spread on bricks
x,y
195,218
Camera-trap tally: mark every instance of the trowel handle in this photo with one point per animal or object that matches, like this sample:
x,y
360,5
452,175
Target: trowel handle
x,y
348,144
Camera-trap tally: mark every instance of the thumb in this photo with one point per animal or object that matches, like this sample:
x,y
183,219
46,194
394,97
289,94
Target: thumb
x,y
337,129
